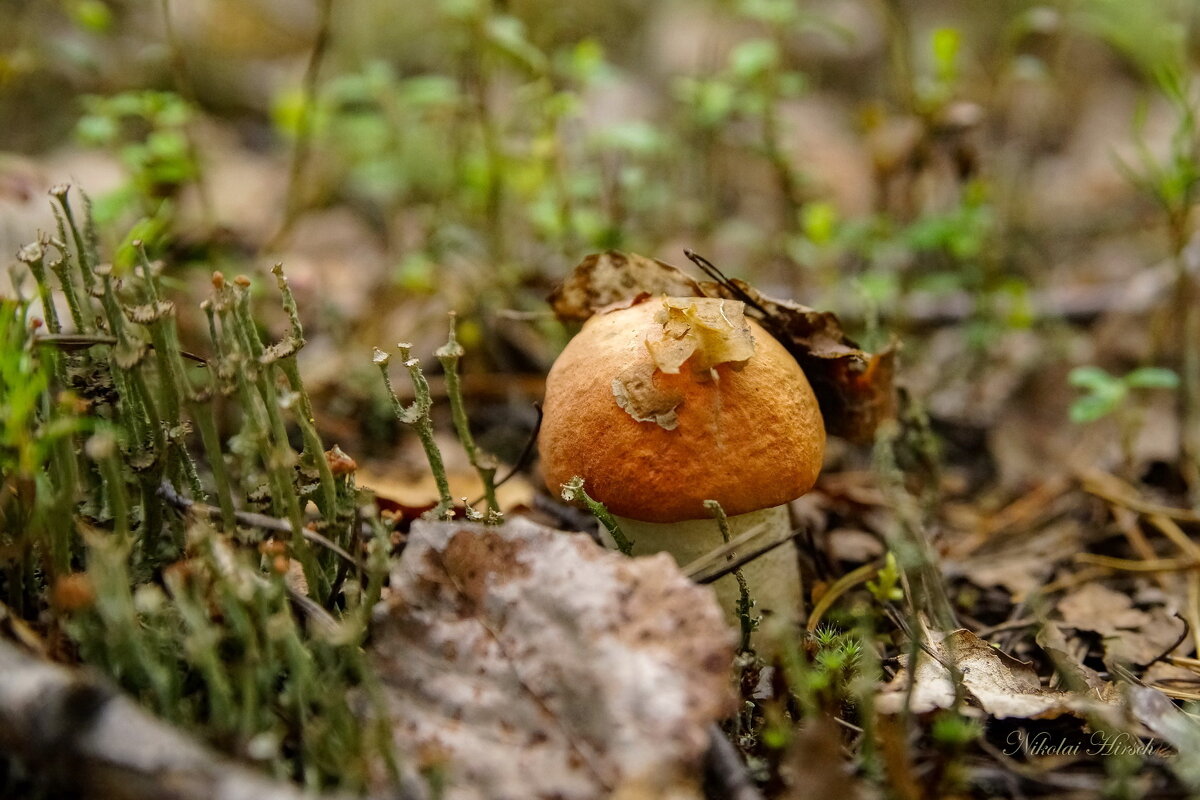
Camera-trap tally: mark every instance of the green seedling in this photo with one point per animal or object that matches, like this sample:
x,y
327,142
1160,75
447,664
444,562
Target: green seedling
x,y
147,131
1105,393
886,586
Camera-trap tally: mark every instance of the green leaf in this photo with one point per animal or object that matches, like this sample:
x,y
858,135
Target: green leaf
x,y
1092,407
1152,378
633,136
429,90
946,44
820,222
586,63
753,57
507,35
97,130
1091,377
91,15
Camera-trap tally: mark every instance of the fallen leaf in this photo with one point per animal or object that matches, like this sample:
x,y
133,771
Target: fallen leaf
x,y
993,680
707,331
1146,643
536,664
1095,607
854,388
638,396
612,278
1021,564
1073,671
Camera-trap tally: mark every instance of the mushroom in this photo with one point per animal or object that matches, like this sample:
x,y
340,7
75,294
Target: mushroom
x,y
672,402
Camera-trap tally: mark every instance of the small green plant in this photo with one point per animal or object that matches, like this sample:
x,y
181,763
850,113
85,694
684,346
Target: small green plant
x,y
1173,181
749,89
147,131
1105,393
247,628
886,586
822,671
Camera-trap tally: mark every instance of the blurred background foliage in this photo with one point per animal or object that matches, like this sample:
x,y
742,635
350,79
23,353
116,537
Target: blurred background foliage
x,y
1005,188
971,177
978,179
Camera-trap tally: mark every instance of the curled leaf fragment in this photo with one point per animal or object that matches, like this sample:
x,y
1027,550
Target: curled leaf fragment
x,y
708,331
854,388
639,397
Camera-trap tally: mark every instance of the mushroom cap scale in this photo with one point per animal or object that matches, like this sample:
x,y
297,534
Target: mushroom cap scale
x,y
747,434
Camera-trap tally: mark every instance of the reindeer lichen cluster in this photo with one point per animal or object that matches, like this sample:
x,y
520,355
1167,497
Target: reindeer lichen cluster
x,y
241,620
416,415
573,492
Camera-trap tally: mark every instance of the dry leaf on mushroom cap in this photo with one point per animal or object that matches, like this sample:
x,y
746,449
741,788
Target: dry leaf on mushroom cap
x,y
854,387
534,663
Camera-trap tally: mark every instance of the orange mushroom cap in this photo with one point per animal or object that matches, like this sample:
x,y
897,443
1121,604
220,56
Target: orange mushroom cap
x,y
653,444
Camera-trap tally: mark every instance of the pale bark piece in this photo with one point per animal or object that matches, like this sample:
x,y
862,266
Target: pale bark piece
x,y
78,731
525,662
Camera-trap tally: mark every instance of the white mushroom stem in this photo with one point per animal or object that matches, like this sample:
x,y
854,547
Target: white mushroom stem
x,y
773,578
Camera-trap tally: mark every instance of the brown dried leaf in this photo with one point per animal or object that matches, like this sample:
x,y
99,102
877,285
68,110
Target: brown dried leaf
x,y
1143,645
854,388
1095,607
708,331
1067,663
637,394
603,280
536,664
995,681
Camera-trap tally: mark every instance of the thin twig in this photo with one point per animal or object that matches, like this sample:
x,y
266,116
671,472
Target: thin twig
x,y
1187,630
840,587
1134,565
79,341
721,561
710,269
1117,491
253,520
526,453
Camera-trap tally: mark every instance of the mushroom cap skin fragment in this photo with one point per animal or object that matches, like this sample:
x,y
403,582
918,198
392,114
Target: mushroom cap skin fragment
x,y
747,434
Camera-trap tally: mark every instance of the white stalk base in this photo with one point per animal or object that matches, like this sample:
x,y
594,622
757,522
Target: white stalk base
x,y
773,578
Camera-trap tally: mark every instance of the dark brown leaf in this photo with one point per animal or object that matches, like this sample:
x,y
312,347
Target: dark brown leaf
x,y
604,280
853,387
